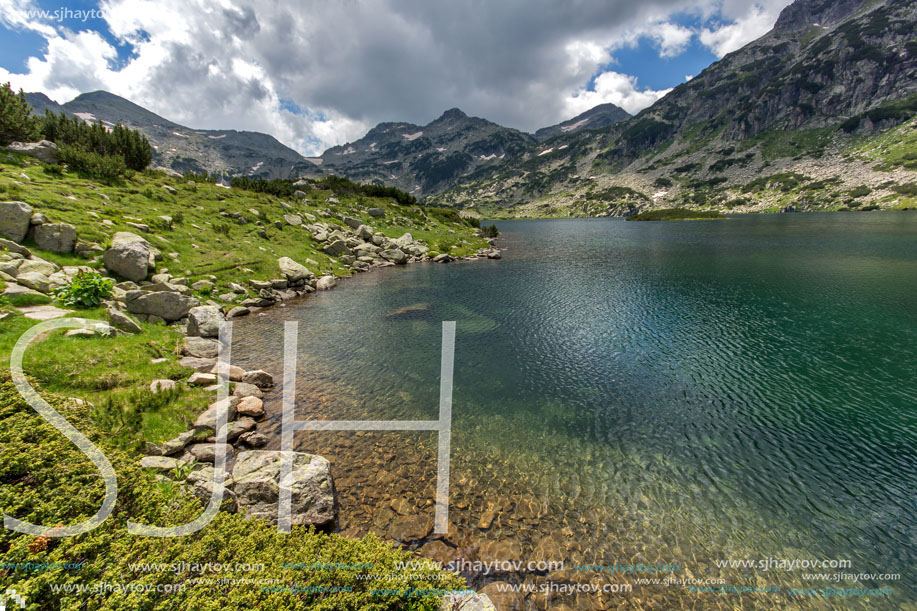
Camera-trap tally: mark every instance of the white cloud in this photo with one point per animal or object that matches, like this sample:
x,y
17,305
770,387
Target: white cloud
x,y
671,38
747,25
227,64
616,88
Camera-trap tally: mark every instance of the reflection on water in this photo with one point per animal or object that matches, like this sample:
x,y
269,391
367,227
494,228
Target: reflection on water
x,y
680,393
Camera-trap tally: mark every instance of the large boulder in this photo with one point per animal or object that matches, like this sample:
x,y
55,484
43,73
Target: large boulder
x,y
395,255
55,237
122,322
256,477
35,281
293,271
15,218
405,240
325,283
375,212
43,150
167,306
12,246
129,260
38,265
204,321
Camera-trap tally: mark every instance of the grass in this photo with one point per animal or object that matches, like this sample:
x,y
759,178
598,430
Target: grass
x,y
114,373
205,243
675,214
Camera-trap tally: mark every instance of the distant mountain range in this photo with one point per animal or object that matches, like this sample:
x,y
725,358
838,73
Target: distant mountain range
x,y
798,100
420,159
184,149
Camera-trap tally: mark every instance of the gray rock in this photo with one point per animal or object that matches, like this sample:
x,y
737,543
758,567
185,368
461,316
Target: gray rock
x,y
202,379
293,219
201,365
254,439
238,311
15,218
43,150
206,452
121,321
365,232
395,255
13,247
203,484
204,321
16,290
338,248
238,427
208,418
35,281
375,212
259,378
38,265
176,445
442,258
163,464
157,386
326,282
256,482
87,250
244,389
202,285
167,306
129,260
139,226
293,271
404,240
38,219
201,347
55,237
10,268
352,222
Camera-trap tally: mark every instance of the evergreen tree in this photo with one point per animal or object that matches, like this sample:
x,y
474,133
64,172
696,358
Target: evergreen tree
x,y
16,121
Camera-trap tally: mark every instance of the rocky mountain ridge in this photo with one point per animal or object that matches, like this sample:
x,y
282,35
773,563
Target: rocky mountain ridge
x,y
827,74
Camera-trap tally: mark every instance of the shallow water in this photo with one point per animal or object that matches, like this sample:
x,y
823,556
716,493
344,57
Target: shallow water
x,y
676,392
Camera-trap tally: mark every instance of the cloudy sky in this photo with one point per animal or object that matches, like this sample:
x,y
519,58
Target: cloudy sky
x,y
319,73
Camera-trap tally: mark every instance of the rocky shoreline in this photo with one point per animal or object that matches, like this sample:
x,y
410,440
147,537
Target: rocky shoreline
x,y
249,483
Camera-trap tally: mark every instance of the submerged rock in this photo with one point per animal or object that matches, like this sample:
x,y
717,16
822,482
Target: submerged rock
x,y
256,477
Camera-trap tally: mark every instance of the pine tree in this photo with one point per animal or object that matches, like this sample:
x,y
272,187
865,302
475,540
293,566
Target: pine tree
x,y
16,120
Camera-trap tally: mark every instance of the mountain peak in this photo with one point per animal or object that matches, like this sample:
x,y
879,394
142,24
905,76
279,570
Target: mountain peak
x,y
453,114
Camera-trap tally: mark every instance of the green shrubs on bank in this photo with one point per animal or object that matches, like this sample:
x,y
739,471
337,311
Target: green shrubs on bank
x,y
119,142
47,481
86,290
489,231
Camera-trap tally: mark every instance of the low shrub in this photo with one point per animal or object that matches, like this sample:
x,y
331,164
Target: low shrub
x,y
86,290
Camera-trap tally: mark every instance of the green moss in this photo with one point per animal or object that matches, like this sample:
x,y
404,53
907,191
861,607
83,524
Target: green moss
x,y
47,481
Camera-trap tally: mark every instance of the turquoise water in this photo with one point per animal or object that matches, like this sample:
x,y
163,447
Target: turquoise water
x,y
680,392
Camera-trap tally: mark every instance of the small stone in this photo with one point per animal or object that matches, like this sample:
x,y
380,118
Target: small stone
x,y
206,452
253,439
251,406
198,364
201,379
160,463
157,386
208,418
243,390
259,378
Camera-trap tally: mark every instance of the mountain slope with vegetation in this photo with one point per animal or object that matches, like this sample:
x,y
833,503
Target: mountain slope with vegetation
x,y
810,99
179,148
